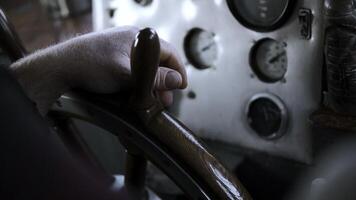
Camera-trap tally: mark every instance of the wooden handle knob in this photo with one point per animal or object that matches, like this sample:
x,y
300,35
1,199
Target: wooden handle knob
x,y
145,55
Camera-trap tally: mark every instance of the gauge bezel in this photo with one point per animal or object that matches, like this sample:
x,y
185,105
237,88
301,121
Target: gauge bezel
x,y
186,48
143,2
281,20
284,115
254,65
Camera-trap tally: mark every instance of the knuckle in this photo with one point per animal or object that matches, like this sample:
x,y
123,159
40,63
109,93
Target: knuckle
x,y
132,30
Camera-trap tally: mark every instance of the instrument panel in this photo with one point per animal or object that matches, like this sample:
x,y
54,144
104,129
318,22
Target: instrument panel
x,y
254,66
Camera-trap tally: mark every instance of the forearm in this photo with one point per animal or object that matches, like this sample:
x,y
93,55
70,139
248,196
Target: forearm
x,y
97,62
41,76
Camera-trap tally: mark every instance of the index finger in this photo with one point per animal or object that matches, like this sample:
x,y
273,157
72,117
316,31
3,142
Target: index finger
x,y
170,58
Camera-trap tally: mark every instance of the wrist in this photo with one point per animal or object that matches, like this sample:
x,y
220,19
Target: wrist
x,y
41,77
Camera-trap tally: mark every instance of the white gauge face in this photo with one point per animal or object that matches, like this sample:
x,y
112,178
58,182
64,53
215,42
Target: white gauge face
x,y
201,48
269,60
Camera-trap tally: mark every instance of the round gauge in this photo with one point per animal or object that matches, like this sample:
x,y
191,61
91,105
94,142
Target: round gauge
x,y
144,2
200,48
268,59
267,116
261,15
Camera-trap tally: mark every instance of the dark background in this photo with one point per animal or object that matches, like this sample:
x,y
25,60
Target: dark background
x,y
39,23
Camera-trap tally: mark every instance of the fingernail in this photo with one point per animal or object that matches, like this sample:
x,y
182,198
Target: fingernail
x,y
173,80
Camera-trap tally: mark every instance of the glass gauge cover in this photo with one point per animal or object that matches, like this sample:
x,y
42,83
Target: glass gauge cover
x,y
261,15
268,59
267,116
200,48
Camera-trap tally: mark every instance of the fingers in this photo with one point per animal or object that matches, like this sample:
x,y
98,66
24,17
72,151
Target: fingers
x,y
166,97
169,58
167,79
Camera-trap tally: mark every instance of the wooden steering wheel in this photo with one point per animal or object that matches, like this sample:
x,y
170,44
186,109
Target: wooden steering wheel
x,y
144,128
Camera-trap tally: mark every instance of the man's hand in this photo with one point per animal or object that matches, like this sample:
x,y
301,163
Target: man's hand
x,y
97,62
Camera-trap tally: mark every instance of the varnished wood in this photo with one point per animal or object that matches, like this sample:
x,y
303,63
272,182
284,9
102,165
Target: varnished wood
x,y
168,130
144,61
112,115
135,175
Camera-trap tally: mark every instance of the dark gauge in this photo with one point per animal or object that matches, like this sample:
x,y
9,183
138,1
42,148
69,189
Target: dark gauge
x,y
144,2
261,15
200,48
268,59
267,116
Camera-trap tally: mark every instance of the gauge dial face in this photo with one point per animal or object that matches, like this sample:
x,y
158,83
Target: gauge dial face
x,y
268,59
200,48
144,2
260,15
267,116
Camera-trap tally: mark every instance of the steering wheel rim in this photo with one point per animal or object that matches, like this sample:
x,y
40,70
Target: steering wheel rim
x,y
112,115
130,132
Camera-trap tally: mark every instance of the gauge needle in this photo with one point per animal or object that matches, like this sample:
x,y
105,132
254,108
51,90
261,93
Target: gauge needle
x,y
265,113
273,59
207,46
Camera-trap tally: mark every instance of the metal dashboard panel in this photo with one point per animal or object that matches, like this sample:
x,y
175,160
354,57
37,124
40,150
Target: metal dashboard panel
x,y
218,111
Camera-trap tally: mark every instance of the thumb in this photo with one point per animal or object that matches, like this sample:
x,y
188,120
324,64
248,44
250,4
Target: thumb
x,y
167,79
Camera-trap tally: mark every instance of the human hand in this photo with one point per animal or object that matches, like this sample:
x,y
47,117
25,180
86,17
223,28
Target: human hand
x,y
97,62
